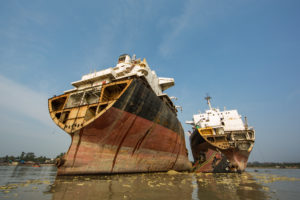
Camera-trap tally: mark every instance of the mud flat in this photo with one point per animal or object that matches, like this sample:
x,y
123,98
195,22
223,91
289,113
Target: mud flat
x,y
23,182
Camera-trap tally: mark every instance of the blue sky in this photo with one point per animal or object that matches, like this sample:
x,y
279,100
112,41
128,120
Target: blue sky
x,y
245,54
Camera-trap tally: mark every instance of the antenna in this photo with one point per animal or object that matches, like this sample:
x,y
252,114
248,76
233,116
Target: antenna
x,y
246,123
208,98
175,98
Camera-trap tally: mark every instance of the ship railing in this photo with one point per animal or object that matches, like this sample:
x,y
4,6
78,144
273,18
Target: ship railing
x,y
83,98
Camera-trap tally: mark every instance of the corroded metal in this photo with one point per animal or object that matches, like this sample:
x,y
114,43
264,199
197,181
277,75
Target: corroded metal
x,y
228,152
129,129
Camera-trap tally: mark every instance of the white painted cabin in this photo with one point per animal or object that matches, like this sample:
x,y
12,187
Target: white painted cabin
x,y
230,120
126,67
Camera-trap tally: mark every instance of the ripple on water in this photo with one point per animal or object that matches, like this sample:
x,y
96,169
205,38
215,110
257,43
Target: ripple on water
x,y
43,184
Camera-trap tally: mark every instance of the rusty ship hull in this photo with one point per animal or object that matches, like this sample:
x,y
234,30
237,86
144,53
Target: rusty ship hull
x,y
211,159
129,129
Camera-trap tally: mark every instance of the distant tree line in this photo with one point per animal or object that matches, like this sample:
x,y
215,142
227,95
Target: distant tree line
x,y
30,156
274,164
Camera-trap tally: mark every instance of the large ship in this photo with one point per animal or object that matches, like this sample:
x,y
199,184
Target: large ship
x,y
220,141
120,121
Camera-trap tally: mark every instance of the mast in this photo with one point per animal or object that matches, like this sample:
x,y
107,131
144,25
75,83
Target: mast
x,y
208,98
246,123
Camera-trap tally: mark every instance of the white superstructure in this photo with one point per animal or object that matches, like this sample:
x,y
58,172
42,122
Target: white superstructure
x,y
229,120
126,67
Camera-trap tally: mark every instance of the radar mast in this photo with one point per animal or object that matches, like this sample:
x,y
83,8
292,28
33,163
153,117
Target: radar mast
x,y
208,98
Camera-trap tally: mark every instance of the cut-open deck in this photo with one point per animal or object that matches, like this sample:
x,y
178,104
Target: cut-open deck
x,y
72,111
228,139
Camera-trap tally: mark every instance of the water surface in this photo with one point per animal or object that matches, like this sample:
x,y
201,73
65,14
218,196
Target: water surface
x,y
21,182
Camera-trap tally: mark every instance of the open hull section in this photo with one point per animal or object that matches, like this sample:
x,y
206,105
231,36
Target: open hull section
x,y
136,131
209,158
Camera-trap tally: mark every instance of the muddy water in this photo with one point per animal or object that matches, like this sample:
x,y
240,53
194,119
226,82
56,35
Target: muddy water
x,y
41,183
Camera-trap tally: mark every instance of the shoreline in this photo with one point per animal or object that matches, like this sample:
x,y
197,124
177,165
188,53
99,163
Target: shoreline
x,y
29,165
272,167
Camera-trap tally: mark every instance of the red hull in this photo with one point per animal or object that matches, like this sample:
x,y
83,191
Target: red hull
x,y
121,142
225,161
210,159
127,129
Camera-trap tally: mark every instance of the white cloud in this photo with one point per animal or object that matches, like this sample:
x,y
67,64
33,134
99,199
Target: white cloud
x,y
119,32
25,123
23,100
178,26
196,16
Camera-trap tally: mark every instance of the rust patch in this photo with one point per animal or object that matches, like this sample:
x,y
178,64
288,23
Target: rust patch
x,y
177,153
120,145
77,146
140,141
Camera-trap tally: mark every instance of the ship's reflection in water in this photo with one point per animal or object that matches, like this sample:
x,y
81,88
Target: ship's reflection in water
x,y
25,182
158,186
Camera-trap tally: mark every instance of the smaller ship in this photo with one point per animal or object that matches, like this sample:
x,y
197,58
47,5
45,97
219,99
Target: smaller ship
x,y
220,141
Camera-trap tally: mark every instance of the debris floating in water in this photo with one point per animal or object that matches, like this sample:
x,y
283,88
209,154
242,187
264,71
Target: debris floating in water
x,y
171,172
